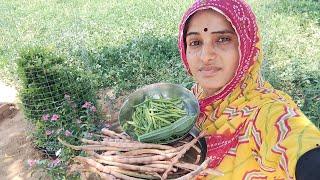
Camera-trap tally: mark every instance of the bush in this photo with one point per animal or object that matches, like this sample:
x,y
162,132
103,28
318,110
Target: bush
x,y
144,60
59,99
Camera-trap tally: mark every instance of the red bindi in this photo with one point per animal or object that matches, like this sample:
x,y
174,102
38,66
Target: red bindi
x,y
205,29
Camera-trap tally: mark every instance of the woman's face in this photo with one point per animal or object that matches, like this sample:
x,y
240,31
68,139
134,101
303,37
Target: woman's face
x,y
211,50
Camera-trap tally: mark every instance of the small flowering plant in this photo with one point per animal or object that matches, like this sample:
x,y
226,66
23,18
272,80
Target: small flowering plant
x,y
71,122
60,101
88,105
55,167
45,117
32,163
67,133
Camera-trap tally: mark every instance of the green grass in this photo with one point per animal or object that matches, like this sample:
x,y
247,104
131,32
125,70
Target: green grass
x,y
130,43
76,27
290,30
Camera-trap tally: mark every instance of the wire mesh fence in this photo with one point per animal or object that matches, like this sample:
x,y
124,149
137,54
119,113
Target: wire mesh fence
x,y
59,98
47,79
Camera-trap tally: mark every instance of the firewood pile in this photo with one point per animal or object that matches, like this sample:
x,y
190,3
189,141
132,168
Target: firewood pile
x,y
117,156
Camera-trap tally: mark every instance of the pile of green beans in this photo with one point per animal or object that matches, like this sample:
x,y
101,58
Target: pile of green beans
x,y
153,114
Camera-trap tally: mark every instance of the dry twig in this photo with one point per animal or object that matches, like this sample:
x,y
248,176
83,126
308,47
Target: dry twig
x,y
181,153
118,157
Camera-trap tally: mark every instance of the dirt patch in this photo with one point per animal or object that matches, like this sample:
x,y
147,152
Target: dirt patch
x,y
111,106
16,149
16,143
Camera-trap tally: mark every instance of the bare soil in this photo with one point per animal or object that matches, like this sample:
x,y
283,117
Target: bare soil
x,y
16,149
16,143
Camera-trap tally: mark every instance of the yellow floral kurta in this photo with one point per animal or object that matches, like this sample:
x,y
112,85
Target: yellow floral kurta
x,y
267,131
274,136
275,132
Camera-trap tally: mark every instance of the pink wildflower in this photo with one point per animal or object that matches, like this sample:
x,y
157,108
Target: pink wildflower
x,y
32,162
87,105
107,125
67,133
93,108
49,132
45,117
55,117
55,163
67,96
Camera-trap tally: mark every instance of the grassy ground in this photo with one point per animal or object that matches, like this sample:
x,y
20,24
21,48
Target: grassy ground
x,y
78,27
130,43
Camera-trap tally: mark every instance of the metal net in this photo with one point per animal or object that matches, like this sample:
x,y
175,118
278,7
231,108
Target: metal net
x,y
48,83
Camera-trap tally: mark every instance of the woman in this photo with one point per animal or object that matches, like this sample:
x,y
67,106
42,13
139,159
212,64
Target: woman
x,y
255,131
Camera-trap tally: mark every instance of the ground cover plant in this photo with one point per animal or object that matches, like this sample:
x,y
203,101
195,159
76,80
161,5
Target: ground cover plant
x,y
127,44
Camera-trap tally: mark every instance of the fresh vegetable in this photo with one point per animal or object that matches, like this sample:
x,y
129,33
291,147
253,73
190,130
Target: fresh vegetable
x,y
153,114
159,120
176,129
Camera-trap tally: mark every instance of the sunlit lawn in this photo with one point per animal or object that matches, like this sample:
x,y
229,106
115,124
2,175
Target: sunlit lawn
x,y
130,43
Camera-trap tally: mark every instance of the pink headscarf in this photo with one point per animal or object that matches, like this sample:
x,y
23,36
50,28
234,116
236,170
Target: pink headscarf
x,y
242,19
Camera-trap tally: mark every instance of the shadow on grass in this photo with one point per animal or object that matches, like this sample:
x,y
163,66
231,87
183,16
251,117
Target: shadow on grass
x,y
149,59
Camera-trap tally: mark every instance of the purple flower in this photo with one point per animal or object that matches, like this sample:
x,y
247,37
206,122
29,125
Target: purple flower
x,y
67,133
45,117
54,163
48,132
87,105
67,97
55,117
93,108
107,125
32,162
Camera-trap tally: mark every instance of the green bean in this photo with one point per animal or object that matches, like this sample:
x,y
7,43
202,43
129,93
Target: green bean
x,y
154,114
163,120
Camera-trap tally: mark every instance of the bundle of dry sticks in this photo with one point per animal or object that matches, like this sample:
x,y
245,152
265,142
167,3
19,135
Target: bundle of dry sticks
x,y
117,156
